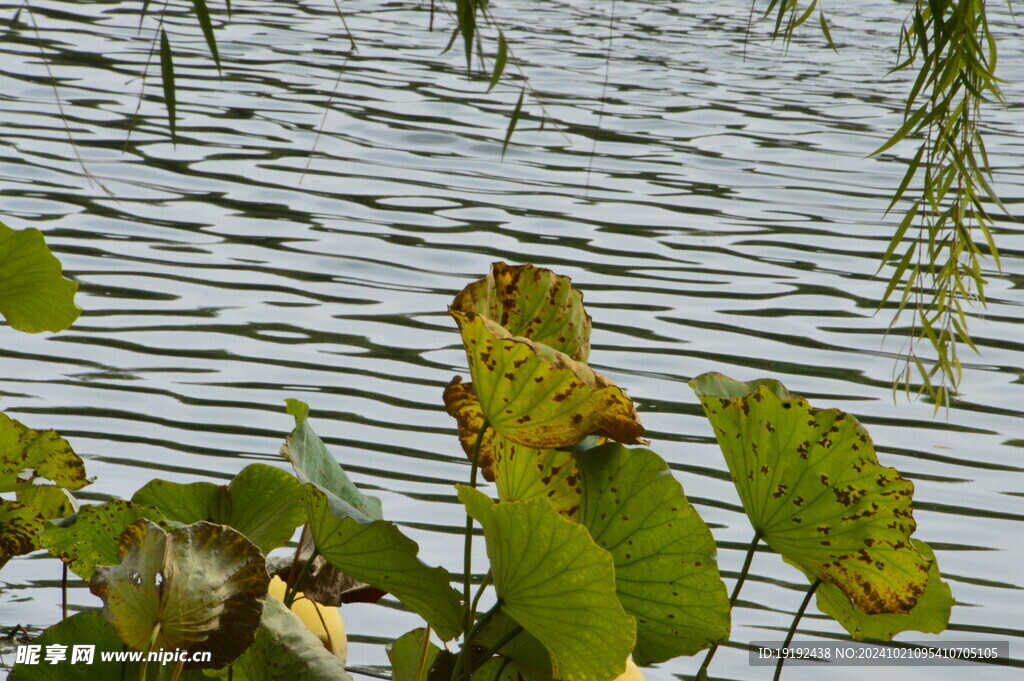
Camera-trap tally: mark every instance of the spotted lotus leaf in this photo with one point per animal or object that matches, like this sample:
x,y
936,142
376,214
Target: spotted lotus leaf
x,y
462,404
666,565
20,526
92,536
930,615
199,587
534,395
534,303
522,473
34,296
27,454
813,489
50,501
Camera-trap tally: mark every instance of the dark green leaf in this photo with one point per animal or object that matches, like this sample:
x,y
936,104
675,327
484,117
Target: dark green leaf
x,y
512,122
204,22
499,61
262,502
314,463
82,630
285,650
825,32
167,75
377,553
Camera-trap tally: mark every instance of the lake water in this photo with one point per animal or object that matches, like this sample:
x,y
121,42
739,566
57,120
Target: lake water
x,y
727,219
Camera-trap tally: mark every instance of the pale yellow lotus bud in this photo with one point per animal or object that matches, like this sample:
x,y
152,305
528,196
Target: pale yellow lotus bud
x,y
324,621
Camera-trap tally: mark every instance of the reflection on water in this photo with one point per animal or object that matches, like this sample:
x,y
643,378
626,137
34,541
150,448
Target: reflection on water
x,y
729,221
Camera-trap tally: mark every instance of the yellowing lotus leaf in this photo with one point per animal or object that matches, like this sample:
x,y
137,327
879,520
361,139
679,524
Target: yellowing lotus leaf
x,y
812,487
536,396
534,303
462,405
523,473
27,454
930,615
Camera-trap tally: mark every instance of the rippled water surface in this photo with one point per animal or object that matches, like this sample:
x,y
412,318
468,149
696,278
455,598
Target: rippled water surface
x,y
727,220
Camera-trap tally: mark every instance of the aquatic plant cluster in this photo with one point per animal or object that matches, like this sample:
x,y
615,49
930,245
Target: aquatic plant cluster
x,y
597,559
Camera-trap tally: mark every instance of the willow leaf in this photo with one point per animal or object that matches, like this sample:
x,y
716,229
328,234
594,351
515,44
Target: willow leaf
x,y
167,77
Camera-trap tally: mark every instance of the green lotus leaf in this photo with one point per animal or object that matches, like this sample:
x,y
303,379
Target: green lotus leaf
x,y
666,564
377,553
534,303
262,502
34,296
534,395
557,583
314,463
50,501
92,536
77,633
412,655
812,487
20,526
501,668
199,588
27,454
930,615
518,650
523,473
285,650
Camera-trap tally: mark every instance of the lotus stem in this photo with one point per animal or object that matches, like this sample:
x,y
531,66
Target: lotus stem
x,y
702,673
467,552
64,592
465,653
177,670
792,628
423,654
295,560
479,592
152,644
289,596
